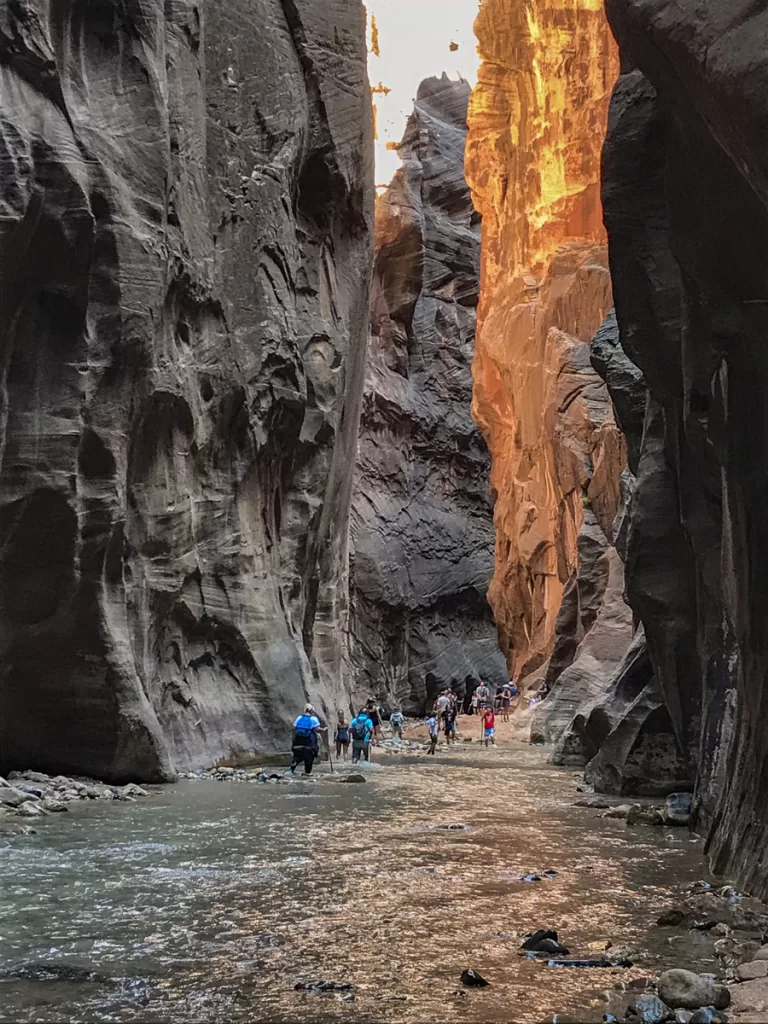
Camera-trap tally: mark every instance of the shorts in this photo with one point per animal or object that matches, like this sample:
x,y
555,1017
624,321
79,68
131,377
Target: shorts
x,y
505,702
489,732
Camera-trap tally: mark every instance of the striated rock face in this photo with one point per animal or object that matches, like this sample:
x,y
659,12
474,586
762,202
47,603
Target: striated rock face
x,y
184,250
536,121
422,515
686,206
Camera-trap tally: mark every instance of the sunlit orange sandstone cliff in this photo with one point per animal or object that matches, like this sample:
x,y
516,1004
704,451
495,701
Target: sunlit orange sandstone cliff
x,y
537,120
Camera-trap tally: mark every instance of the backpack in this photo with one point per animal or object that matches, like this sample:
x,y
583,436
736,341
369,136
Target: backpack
x,y
359,729
303,732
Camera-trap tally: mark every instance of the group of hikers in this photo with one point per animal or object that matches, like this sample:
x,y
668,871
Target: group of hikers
x,y
365,728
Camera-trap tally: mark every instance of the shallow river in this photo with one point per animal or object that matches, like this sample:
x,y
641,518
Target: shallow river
x,y
211,901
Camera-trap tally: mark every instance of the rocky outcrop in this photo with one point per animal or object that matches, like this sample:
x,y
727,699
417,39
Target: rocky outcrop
x,y
184,249
422,526
536,121
685,190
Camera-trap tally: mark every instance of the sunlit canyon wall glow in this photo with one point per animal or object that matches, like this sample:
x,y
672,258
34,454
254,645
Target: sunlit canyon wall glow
x,y
537,122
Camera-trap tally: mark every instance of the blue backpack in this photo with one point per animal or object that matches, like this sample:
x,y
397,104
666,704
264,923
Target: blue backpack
x,y
304,732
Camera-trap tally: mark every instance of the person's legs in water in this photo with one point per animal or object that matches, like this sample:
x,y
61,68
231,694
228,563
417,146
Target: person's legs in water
x,y
297,758
366,751
356,751
432,743
309,759
345,751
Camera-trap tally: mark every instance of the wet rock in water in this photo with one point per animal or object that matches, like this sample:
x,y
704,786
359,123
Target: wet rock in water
x,y
543,941
597,962
12,797
31,790
708,1015
453,828
30,810
751,971
640,815
683,1016
622,811
671,918
598,802
133,790
678,809
471,979
599,945
680,988
531,878
648,1009
54,806
354,777
45,971
321,988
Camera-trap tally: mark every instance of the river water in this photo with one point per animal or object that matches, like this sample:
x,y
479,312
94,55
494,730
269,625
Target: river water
x,y
211,901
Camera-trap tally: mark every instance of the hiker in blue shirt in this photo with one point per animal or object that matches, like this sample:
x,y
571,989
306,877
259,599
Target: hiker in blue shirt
x,y
306,740
361,730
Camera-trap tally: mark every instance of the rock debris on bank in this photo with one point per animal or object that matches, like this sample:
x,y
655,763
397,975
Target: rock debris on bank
x,y
31,794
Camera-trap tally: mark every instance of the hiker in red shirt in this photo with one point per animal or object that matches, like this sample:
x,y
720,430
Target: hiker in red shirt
x,y
489,722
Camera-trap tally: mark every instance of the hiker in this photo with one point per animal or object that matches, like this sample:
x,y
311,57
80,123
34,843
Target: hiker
x,y
483,695
443,701
396,721
474,702
456,703
497,699
434,732
489,726
342,736
373,711
449,724
306,740
539,694
361,730
506,701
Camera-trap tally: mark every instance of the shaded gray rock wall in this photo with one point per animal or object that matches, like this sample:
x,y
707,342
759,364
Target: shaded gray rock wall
x,y
422,516
184,260
685,188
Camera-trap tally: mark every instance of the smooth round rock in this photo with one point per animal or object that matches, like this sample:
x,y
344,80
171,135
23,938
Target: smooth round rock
x,y
679,988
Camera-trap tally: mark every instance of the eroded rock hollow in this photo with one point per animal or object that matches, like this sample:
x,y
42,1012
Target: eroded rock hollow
x,y
185,251
423,535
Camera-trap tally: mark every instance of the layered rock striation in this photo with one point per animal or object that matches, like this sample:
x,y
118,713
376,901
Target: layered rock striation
x,y
685,190
422,525
536,121
184,255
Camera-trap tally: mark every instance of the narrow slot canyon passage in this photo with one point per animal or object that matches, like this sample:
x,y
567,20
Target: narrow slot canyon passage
x,y
382,470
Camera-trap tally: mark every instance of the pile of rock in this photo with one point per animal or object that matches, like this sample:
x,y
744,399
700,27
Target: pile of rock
x,y
683,997
34,794
677,810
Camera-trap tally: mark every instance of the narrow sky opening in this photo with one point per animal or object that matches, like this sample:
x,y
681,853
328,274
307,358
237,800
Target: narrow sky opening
x,y
408,41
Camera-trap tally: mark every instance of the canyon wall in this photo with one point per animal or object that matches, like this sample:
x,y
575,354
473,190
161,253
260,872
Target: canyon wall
x,y
685,191
185,251
422,524
537,119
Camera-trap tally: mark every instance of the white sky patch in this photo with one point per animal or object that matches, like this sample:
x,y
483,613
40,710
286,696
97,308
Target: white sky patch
x,y
416,39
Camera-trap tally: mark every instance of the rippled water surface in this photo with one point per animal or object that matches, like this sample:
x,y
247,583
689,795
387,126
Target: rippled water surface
x,y
211,901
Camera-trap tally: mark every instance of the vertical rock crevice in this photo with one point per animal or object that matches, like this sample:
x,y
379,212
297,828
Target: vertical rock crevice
x,y
422,515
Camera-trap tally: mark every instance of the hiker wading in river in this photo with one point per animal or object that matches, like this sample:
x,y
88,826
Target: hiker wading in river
x,y
361,730
434,732
489,727
306,740
341,737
